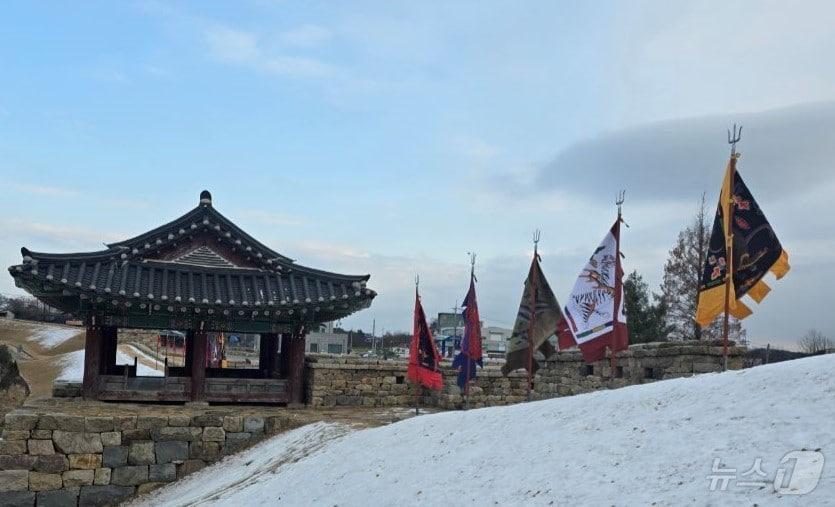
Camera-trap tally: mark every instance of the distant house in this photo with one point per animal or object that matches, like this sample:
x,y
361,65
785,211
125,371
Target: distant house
x,y
7,314
495,339
326,341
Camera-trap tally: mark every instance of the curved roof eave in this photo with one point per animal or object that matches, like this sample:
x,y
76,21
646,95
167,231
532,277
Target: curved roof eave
x,y
199,211
124,248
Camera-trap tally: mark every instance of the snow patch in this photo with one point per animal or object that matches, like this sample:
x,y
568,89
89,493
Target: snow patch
x,y
72,366
52,336
639,445
238,474
142,370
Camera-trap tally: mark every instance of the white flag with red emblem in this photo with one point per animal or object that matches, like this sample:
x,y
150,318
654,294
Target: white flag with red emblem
x,y
595,308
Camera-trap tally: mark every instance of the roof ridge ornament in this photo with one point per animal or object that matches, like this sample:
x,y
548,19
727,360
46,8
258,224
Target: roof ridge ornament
x,y
206,198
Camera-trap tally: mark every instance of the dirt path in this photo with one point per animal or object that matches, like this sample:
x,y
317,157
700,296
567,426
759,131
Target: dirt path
x,y
39,364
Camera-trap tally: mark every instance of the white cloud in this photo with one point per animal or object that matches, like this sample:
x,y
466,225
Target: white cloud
x,y
55,236
474,148
156,71
330,252
41,190
306,36
244,48
110,75
675,58
233,46
268,218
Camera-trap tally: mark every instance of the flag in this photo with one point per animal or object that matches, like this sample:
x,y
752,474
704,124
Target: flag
x,y
594,310
466,372
535,331
470,356
756,251
423,354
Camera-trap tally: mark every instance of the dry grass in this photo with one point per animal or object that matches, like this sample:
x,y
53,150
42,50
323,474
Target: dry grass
x,y
44,366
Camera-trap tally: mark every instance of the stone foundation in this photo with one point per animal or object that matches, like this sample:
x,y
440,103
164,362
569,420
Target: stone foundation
x,y
65,459
341,380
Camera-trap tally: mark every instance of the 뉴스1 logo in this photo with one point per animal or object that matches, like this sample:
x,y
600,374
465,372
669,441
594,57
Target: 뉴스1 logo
x,y
798,474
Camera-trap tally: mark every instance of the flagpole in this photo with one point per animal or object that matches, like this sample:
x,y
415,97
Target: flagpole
x,y
416,386
618,285
729,246
469,345
532,320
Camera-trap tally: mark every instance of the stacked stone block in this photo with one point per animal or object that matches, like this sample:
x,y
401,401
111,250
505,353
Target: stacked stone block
x,y
350,381
68,460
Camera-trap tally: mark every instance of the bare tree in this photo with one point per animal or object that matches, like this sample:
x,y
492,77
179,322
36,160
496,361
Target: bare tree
x,y
680,284
814,342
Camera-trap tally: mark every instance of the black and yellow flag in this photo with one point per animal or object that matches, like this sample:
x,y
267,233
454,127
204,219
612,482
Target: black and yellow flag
x,y
756,251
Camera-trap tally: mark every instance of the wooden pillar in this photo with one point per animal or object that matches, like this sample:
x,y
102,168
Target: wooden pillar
x,y
92,362
268,359
189,352
109,344
263,351
292,348
198,363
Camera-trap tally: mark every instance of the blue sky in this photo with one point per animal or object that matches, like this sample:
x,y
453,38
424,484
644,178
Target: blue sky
x,y
393,137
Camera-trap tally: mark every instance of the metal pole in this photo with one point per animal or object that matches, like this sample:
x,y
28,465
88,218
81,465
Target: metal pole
x,y
729,246
618,300
417,399
417,387
533,315
469,345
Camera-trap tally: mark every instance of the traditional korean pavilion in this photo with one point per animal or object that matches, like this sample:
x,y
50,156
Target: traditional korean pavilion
x,y
199,273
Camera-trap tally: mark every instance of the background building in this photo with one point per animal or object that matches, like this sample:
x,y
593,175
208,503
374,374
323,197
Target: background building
x,y
326,341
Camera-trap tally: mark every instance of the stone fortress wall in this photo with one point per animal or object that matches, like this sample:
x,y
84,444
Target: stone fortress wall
x,y
63,459
346,381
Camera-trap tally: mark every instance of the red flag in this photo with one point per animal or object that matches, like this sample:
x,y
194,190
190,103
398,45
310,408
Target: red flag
x,y
423,353
565,340
471,345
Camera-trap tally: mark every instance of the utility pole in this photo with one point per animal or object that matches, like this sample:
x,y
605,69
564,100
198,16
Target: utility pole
x,y
455,311
374,335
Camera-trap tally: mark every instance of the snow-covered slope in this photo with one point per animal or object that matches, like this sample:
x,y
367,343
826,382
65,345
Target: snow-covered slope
x,y
72,366
52,335
641,445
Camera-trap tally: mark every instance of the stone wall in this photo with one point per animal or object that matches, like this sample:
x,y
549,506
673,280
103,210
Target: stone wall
x,y
341,380
63,459
13,388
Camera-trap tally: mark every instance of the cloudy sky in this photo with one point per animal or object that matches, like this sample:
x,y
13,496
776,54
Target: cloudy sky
x,y
392,138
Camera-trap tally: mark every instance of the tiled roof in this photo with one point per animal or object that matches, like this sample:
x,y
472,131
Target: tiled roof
x,y
204,256
144,271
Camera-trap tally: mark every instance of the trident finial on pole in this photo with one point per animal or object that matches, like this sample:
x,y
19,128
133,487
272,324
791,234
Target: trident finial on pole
x,y
734,138
471,255
619,200
417,282
536,235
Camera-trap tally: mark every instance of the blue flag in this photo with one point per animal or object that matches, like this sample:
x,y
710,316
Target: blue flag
x,y
460,364
470,356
